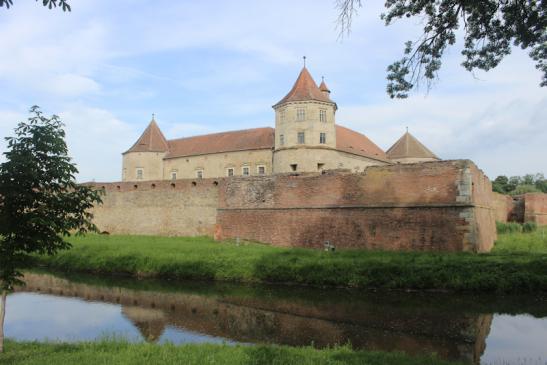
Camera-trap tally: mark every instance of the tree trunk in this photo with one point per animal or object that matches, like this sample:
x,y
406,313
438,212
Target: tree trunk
x,y
2,316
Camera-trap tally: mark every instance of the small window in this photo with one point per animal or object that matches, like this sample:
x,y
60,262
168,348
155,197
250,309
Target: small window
x,y
199,174
322,138
281,139
301,138
320,166
261,170
173,175
300,114
294,167
322,115
230,172
245,171
140,174
282,115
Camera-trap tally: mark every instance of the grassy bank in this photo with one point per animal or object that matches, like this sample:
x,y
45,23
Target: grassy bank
x,y
518,263
108,352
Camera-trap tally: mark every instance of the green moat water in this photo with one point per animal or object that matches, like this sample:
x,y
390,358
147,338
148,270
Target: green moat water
x,y
472,329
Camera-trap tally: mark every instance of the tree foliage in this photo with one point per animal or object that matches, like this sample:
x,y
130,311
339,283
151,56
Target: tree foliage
x,y
490,27
49,3
40,202
515,185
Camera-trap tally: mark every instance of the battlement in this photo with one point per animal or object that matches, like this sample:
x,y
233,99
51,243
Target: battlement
x,y
438,206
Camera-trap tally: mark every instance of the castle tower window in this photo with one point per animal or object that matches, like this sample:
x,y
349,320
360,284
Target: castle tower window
x,y
300,114
281,139
173,175
230,172
199,174
294,167
261,170
320,166
140,173
282,115
301,138
322,138
322,115
245,171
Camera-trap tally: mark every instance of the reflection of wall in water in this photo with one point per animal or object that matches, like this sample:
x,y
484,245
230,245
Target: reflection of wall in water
x,y
284,321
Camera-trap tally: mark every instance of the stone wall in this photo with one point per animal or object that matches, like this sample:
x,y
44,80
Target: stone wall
x,y
179,208
439,206
530,207
503,206
535,208
217,164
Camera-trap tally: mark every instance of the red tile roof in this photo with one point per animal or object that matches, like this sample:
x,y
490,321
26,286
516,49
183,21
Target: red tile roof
x,y
323,86
248,139
408,146
305,89
350,141
151,140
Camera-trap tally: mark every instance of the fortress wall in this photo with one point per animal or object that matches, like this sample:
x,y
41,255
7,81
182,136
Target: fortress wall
x,y
502,205
483,222
439,206
165,208
535,208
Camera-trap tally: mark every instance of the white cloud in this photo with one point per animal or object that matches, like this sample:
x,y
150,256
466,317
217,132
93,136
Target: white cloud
x,y
96,139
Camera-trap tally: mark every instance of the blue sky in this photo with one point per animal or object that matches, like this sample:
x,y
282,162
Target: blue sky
x,y
211,66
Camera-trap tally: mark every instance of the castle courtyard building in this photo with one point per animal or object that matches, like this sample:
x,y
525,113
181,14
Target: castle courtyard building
x,y
306,138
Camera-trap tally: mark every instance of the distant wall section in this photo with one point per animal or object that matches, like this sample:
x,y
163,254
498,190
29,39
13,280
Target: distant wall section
x,y
178,208
535,208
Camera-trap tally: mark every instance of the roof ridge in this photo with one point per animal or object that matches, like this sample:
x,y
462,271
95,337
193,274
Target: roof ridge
x,y
216,133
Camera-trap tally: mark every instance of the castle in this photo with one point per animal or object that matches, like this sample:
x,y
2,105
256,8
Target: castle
x,y
306,183
306,138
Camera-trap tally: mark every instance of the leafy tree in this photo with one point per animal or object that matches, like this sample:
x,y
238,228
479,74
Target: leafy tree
x,y
40,202
500,184
49,3
490,28
514,185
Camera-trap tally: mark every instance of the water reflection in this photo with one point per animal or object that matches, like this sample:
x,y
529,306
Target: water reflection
x,y
455,327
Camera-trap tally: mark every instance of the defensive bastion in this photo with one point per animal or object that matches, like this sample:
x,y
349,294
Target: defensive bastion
x,y
430,206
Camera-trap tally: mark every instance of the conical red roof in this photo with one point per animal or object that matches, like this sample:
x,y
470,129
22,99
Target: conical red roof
x,y
323,86
151,140
305,89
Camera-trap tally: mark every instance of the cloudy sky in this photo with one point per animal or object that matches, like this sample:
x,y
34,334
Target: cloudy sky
x,y
211,66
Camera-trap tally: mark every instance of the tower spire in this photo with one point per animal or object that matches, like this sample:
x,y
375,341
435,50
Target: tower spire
x,y
304,58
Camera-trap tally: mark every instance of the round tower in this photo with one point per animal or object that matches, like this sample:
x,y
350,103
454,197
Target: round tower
x,y
144,160
305,131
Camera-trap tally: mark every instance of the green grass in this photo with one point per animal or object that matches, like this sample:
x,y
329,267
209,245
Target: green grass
x,y
518,263
118,353
522,243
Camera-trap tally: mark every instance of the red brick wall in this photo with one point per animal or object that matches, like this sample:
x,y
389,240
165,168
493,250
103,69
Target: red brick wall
x,y
535,208
430,206
502,205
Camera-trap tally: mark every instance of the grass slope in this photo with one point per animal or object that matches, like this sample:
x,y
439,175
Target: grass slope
x,y
112,352
518,263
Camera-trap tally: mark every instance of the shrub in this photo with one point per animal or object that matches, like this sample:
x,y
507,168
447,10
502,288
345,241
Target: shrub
x,y
529,227
509,227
